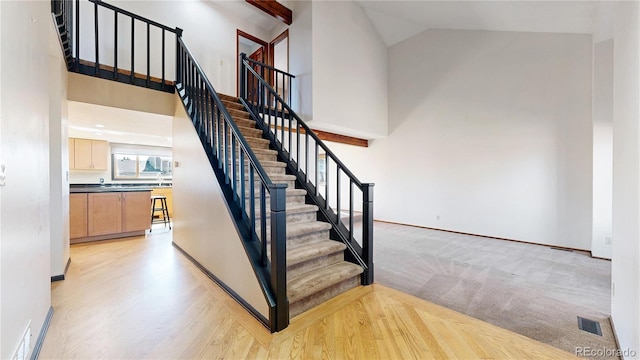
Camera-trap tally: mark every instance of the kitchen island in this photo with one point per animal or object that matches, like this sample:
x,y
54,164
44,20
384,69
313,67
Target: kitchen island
x,y
100,212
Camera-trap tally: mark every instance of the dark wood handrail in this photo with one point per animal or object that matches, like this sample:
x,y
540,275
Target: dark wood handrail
x,y
135,16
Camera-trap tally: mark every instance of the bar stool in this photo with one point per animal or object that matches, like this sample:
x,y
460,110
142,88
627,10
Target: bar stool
x,y
159,207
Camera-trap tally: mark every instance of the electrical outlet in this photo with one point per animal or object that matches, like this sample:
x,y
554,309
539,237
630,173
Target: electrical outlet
x,y
607,240
437,217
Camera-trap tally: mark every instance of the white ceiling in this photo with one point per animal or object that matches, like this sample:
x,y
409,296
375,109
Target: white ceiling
x,y
119,125
398,20
248,12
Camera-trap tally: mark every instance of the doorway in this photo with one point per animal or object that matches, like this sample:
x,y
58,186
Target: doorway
x,y
256,49
279,59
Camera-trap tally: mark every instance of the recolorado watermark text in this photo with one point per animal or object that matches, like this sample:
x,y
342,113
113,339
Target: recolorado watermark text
x,y
604,352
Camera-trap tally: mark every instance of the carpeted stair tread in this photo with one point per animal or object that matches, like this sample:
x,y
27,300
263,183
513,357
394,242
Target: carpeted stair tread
x,y
310,283
250,132
297,209
230,98
296,229
305,252
275,178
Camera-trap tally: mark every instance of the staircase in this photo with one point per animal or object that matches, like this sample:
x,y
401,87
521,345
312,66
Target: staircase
x,y
301,249
316,270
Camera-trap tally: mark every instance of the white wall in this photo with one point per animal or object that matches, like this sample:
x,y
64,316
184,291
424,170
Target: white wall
x,y
202,224
209,31
349,71
625,265
487,136
24,146
301,59
602,148
58,155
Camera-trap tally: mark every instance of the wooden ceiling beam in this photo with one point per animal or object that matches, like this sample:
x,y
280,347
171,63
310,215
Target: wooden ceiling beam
x,y
275,9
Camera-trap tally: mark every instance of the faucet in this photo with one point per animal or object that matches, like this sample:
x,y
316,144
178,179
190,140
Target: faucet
x,y
160,179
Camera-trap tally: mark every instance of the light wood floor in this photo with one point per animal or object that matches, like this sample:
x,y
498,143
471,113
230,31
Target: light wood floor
x,y
140,298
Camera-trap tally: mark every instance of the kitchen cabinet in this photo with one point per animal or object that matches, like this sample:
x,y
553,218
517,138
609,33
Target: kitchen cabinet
x,y
136,210
88,154
77,215
109,214
105,213
168,192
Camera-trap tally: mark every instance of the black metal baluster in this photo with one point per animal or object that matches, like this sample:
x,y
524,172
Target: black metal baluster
x,y
226,151
133,29
297,146
350,210
163,55
338,194
148,55
306,154
77,34
326,180
263,224
317,158
242,184
115,47
95,15
252,201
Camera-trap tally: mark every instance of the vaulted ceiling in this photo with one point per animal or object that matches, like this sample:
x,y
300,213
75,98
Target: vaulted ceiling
x,y
396,21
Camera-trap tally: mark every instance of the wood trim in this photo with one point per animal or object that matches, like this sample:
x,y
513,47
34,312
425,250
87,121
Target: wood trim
x,y
274,9
127,73
43,333
265,45
329,136
272,45
491,237
250,309
343,139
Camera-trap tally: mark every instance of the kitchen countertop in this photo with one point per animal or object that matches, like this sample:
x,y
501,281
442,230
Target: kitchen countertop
x,y
101,188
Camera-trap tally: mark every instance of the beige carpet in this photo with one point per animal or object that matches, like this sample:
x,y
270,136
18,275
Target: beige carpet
x,y
530,289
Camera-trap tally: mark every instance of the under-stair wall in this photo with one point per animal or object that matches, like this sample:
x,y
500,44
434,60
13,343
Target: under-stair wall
x,y
202,226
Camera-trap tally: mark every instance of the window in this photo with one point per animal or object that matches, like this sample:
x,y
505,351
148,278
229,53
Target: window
x,y
131,166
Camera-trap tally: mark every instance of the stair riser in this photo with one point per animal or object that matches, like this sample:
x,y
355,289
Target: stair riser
x,y
270,170
292,217
318,298
314,264
257,144
291,184
251,133
303,238
244,122
291,200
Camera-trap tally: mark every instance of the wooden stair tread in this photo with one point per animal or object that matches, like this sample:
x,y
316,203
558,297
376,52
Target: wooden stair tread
x,y
310,283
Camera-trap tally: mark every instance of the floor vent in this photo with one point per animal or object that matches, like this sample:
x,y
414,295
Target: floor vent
x,y
589,326
561,249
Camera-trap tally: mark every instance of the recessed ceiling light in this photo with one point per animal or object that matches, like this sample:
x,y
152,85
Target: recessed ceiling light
x,y
99,125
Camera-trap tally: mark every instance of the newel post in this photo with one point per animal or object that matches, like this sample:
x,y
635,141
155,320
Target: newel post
x,y
367,232
178,57
243,75
279,319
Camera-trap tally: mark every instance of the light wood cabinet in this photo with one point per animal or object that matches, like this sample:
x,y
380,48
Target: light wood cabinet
x,y
136,211
108,215
105,213
168,192
77,215
87,154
